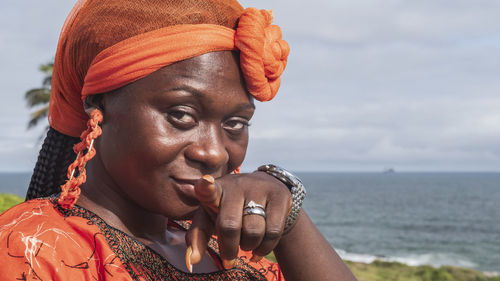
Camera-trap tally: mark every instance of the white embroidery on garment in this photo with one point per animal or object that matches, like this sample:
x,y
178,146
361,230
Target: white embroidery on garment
x,y
25,216
33,242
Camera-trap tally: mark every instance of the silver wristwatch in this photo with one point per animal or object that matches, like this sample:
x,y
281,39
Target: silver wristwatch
x,y
295,186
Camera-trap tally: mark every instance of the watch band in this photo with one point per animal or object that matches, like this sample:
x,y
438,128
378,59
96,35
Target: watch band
x,y
295,186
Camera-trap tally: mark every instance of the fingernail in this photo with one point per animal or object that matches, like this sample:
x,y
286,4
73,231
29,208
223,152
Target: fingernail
x,y
256,258
195,255
208,178
189,266
228,264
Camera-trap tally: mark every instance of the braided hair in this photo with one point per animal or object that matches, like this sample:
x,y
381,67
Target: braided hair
x,y
52,164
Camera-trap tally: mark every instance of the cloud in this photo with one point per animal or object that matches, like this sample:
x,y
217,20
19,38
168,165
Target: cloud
x,y
429,134
369,84
372,84
29,32
382,21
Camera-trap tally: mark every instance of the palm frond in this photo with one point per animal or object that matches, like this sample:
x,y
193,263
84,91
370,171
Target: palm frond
x,y
47,81
37,96
38,115
40,96
47,68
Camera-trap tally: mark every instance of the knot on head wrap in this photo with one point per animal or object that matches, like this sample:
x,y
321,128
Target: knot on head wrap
x,y
263,53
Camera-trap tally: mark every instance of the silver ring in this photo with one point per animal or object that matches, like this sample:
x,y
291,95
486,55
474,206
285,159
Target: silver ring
x,y
253,208
252,204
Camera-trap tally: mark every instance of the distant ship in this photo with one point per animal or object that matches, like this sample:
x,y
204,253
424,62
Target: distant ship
x,y
389,171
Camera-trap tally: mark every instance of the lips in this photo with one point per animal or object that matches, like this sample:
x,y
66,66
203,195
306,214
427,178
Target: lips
x,y
186,181
185,188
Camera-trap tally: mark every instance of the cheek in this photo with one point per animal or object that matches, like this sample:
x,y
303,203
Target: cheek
x,y
138,155
135,147
121,154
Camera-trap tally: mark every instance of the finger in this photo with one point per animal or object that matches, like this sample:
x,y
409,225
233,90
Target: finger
x,y
228,225
201,229
209,194
276,211
253,230
197,237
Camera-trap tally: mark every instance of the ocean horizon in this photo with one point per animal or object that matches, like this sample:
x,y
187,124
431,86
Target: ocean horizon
x,y
415,218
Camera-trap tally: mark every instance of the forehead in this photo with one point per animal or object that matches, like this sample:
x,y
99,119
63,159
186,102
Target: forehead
x,y
216,76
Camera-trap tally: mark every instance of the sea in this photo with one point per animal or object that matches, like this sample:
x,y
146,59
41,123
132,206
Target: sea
x,y
413,218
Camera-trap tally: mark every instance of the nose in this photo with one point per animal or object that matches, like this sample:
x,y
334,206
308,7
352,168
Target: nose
x,y
208,150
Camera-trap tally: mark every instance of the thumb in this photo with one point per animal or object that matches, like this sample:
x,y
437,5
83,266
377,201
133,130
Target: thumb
x,y
208,194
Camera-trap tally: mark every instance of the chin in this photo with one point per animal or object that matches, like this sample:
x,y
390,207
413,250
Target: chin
x,y
181,215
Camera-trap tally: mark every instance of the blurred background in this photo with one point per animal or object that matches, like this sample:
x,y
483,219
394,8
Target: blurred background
x,y
388,109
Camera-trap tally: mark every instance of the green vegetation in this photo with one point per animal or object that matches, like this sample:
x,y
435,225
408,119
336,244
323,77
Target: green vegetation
x,y
38,98
9,200
394,271
376,271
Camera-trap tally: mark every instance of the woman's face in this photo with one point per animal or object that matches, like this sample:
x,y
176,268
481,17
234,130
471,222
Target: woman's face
x,y
163,132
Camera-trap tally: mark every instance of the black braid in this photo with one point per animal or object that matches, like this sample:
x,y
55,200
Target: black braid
x,y
52,165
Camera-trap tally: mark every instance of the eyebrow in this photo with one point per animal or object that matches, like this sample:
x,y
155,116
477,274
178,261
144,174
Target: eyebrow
x,y
195,92
190,90
245,106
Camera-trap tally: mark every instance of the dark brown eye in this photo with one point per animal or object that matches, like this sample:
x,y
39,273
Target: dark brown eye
x,y
235,126
182,119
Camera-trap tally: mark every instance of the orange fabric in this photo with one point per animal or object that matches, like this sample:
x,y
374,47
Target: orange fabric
x,y
94,25
85,151
271,270
263,53
141,55
37,242
105,45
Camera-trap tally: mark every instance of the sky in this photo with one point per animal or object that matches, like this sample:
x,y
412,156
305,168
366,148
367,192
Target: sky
x,y
369,85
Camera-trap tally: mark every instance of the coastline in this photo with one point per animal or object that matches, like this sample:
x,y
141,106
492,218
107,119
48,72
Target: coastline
x,y
381,271
434,260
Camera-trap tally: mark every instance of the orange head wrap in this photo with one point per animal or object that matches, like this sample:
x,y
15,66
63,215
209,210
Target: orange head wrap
x,y
105,45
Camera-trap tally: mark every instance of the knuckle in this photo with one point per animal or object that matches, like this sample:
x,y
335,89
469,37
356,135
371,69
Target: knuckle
x,y
252,233
273,233
229,227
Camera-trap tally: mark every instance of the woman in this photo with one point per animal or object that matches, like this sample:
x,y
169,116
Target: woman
x,y
166,89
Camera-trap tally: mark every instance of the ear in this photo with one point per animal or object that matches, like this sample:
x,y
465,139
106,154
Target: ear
x,y
93,102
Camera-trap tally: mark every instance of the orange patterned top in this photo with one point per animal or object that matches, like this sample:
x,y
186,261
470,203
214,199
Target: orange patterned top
x,y
39,240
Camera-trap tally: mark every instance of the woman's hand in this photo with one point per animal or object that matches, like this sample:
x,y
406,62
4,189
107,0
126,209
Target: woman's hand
x,y
223,201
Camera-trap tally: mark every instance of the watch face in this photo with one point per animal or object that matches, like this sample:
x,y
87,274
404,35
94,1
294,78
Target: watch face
x,y
294,184
294,180
282,174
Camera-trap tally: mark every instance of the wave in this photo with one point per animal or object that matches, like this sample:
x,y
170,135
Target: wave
x,y
432,259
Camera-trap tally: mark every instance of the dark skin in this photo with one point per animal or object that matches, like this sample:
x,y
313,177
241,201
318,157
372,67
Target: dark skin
x,y
161,135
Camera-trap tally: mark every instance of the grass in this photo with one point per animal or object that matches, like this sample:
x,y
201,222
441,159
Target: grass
x,y
9,200
375,271
394,271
